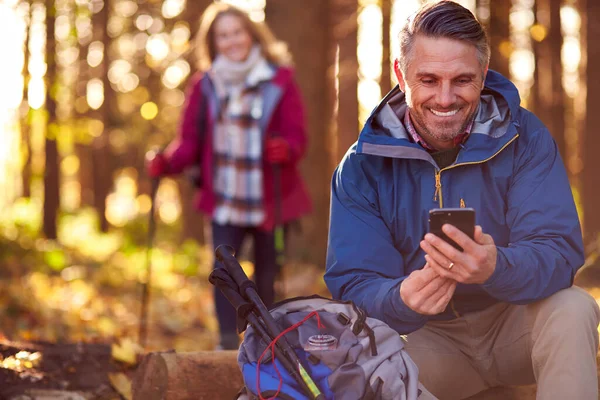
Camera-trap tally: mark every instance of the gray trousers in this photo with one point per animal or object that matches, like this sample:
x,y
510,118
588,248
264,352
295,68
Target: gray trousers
x,y
552,342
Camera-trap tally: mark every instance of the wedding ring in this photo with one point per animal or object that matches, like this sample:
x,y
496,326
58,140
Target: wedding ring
x,y
450,266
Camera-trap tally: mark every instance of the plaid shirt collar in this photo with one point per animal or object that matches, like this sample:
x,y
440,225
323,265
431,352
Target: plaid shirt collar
x,y
420,141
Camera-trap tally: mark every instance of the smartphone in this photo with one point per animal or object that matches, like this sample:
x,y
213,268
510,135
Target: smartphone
x,y
461,218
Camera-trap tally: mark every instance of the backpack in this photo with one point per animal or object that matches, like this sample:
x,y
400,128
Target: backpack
x,y
348,354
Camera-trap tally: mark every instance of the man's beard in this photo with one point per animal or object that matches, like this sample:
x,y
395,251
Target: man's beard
x,y
441,134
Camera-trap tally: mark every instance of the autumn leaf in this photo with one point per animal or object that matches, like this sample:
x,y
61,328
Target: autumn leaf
x,y
121,383
126,351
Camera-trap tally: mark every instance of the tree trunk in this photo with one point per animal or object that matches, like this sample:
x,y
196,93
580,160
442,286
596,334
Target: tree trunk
x,y
82,142
25,120
386,79
101,158
591,138
310,48
192,13
198,375
548,94
499,36
344,41
51,171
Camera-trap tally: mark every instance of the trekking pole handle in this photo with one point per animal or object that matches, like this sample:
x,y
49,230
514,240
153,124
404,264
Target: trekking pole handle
x,y
242,305
225,254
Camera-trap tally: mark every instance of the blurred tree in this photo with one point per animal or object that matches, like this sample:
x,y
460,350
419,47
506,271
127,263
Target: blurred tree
x,y
386,79
25,123
590,13
82,109
344,24
101,154
499,34
192,13
51,174
547,91
313,52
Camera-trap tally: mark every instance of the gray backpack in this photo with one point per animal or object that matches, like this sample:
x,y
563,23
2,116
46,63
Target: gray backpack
x,y
348,355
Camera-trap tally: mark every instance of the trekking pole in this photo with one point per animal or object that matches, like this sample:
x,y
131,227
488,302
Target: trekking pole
x,y
247,288
278,233
220,278
146,286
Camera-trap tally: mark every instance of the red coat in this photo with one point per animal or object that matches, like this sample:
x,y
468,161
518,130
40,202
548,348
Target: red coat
x,y
284,115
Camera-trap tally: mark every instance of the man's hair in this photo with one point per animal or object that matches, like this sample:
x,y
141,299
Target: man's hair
x,y
444,19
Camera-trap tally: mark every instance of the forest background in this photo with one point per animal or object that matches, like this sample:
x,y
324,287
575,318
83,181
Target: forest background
x,y
88,86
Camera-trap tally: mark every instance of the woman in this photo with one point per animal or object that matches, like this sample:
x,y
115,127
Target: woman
x,y
243,123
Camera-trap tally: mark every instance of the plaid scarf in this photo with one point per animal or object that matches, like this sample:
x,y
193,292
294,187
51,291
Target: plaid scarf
x,y
238,149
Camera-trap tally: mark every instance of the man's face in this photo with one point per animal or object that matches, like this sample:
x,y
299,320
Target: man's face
x,y
442,85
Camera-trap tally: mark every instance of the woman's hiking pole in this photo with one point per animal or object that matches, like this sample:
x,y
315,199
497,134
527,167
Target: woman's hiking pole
x,y
146,286
278,233
220,278
247,288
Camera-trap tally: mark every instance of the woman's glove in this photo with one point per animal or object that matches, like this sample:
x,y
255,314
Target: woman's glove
x,y
277,150
156,164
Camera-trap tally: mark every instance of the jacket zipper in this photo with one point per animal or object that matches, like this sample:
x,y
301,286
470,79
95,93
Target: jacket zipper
x,y
438,192
438,187
438,172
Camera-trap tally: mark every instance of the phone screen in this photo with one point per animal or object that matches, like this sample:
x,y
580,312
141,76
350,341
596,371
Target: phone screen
x,y
461,218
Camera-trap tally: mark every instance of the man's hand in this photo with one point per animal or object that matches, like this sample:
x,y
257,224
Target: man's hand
x,y
426,292
475,264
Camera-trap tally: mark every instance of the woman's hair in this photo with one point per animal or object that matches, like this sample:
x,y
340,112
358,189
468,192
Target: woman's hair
x,y
273,51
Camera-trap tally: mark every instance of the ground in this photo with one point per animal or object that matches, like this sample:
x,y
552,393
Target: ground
x,y
91,354
65,371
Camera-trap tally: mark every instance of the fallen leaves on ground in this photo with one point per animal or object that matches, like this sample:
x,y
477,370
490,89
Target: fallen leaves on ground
x,y
121,383
126,351
97,298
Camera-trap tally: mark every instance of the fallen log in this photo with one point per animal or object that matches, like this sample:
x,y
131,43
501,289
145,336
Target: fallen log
x,y
179,376
216,375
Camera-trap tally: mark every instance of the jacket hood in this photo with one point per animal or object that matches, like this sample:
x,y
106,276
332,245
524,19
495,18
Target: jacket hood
x,y
494,126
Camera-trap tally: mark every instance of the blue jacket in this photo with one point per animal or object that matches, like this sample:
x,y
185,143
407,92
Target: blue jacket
x,y
509,170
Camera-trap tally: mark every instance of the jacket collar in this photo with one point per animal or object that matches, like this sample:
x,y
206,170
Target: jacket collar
x,y
494,127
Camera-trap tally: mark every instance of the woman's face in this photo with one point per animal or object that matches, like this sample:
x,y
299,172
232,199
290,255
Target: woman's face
x,y
232,39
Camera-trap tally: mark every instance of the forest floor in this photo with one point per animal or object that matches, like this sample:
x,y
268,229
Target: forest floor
x,y
71,333
69,321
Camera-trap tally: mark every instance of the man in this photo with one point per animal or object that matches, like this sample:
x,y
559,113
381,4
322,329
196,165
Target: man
x,y
503,311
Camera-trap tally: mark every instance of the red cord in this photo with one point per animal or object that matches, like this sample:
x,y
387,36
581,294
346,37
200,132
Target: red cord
x,y
271,346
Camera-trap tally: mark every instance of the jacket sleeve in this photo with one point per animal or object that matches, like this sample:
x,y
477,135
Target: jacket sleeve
x,y
292,123
545,244
362,263
184,150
